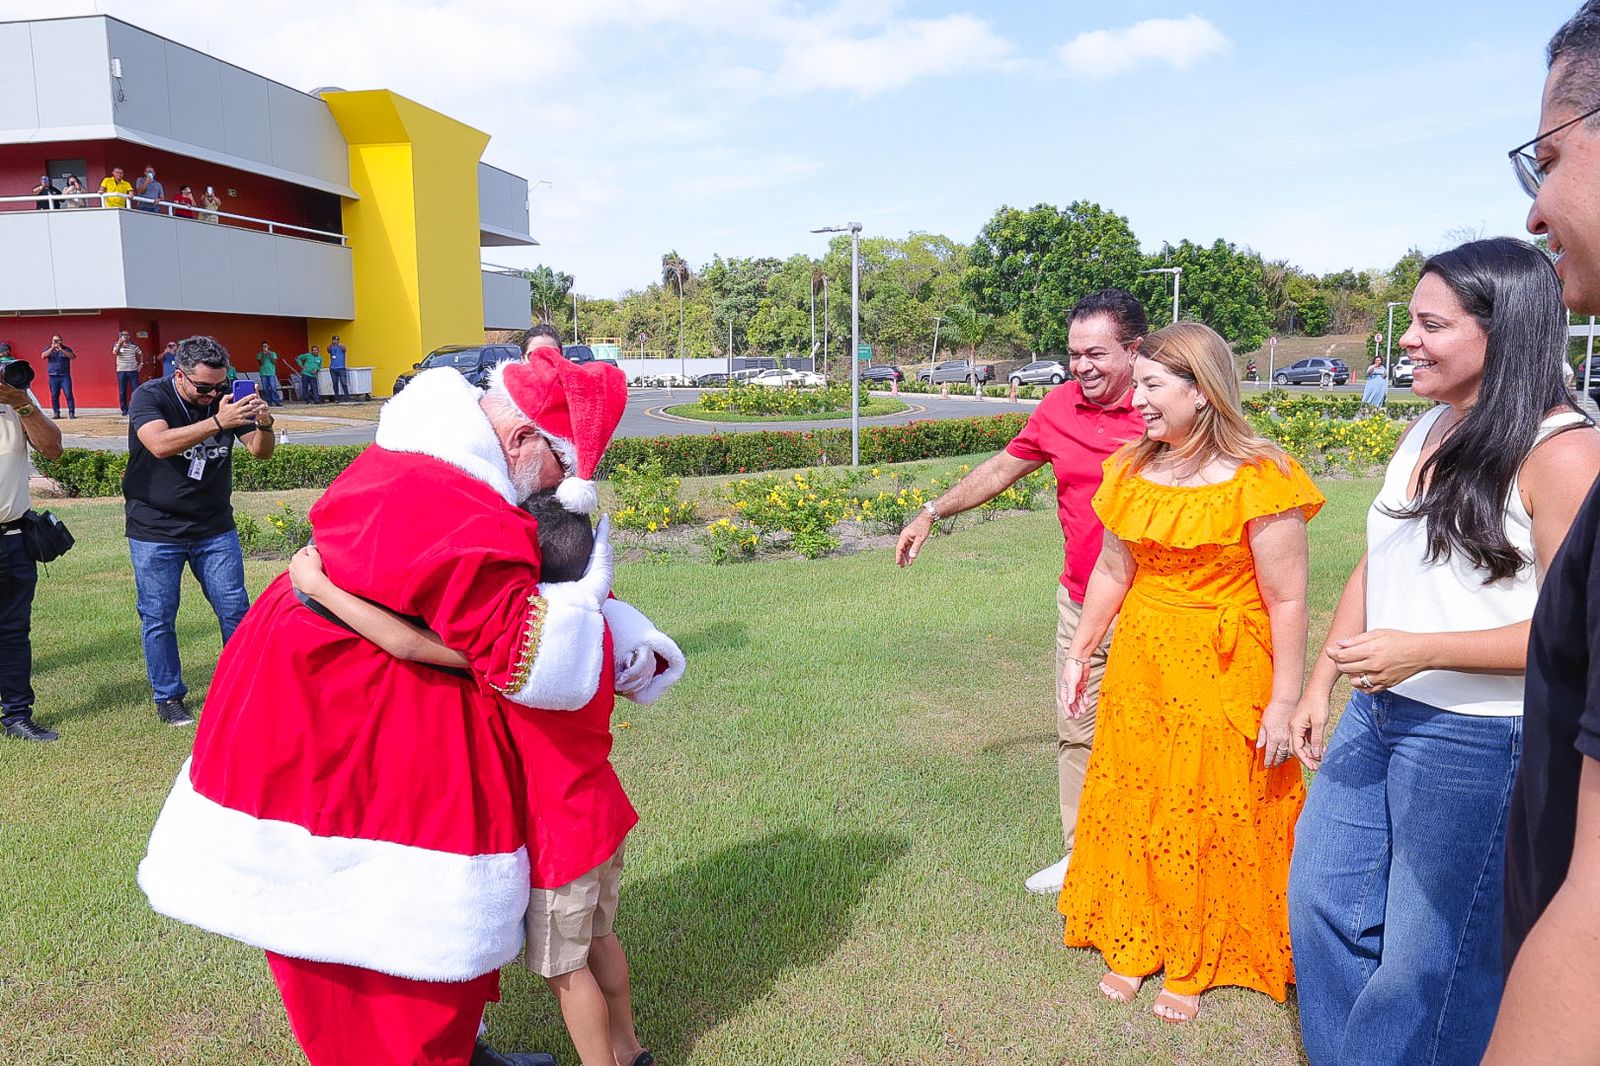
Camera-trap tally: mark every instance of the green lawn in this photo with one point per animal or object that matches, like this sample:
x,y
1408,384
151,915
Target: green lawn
x,y
871,406
839,804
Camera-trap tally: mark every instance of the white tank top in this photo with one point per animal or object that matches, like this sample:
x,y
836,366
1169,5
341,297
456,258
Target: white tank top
x,y
1406,592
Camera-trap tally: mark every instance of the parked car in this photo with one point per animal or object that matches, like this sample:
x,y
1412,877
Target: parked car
x,y
809,379
1039,372
662,381
882,373
717,380
776,378
1400,373
578,353
957,370
1309,372
472,361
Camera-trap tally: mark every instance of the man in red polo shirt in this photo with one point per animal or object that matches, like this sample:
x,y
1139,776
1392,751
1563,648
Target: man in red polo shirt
x,y
1074,429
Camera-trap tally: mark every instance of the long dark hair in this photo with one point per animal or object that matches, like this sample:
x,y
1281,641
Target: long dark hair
x,y
1512,291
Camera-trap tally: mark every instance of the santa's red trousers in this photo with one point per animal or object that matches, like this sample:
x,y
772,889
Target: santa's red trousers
x,y
348,1016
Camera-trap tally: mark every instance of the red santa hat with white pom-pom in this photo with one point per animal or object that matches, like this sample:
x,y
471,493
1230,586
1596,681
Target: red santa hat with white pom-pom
x,y
576,406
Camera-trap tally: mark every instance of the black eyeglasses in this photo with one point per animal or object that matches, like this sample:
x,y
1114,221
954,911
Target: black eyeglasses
x,y
205,389
1530,172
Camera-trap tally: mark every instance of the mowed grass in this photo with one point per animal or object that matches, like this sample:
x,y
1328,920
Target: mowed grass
x,y
839,803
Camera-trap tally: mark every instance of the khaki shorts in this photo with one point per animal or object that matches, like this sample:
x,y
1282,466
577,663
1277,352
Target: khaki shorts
x,y
563,922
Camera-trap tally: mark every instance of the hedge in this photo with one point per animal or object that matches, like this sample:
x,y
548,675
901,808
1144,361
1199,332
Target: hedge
x,y
84,472
1280,403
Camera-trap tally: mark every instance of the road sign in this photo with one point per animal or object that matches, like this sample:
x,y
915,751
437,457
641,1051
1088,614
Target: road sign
x,y
1272,341
864,353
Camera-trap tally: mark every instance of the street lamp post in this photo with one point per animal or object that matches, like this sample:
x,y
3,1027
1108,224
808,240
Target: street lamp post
x,y
938,321
1388,344
574,316
1177,281
855,333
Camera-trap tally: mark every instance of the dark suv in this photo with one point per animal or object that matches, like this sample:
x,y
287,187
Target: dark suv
x,y
1309,372
473,362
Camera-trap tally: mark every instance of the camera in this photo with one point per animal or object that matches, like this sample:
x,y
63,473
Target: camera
x,y
17,373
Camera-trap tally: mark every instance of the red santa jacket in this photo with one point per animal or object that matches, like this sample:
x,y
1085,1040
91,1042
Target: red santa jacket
x,y
348,807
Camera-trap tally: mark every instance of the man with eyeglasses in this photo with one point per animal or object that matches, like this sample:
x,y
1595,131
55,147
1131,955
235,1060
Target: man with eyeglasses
x,y
178,501
1553,831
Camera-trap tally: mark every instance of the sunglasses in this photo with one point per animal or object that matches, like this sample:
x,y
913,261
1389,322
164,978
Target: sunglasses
x,y
1529,171
204,388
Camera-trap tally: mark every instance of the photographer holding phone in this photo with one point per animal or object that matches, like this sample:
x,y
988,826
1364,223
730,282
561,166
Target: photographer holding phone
x,y
178,492
22,426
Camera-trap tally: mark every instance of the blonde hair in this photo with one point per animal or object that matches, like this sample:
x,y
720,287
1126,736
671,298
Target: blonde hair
x,y
1198,355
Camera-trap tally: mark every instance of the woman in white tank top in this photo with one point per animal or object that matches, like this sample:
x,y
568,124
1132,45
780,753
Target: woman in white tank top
x,y
1396,884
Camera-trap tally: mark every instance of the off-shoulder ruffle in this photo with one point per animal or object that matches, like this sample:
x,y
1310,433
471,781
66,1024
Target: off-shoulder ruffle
x,y
1178,516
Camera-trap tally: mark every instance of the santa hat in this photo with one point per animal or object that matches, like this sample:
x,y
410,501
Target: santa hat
x,y
576,406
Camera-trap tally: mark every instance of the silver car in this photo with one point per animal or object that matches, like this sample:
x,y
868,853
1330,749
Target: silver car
x,y
1039,372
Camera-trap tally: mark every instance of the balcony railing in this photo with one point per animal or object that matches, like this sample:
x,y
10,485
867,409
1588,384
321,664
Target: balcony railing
x,y
173,209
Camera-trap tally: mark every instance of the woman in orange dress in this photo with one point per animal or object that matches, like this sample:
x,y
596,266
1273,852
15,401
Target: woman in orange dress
x,y
1188,811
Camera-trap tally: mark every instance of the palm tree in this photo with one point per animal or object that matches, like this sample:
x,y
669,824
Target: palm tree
x,y
548,289
972,327
674,269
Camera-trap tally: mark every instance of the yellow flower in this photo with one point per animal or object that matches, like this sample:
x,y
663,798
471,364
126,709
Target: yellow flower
x,y
651,527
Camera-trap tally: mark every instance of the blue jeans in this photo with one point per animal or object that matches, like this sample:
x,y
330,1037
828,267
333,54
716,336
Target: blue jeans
x,y
19,576
62,383
341,383
218,564
269,391
308,388
127,381
1396,885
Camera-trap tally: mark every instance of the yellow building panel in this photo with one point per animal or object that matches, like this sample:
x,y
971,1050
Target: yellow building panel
x,y
413,233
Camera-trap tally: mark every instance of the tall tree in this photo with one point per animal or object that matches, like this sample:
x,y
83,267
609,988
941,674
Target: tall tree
x,y
1038,263
1222,287
674,269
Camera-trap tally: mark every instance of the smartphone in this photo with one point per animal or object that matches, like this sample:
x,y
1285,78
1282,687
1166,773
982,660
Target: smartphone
x,y
243,387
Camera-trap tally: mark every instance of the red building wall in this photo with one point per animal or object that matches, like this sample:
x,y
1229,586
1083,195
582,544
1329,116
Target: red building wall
x,y
257,196
94,378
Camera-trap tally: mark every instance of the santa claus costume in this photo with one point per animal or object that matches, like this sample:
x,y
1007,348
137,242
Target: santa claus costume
x,y
362,818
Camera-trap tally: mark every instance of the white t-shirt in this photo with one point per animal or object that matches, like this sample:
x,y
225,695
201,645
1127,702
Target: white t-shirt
x,y
13,463
1407,593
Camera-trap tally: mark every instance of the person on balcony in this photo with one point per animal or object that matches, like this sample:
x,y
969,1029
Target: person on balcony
x,y
183,203
150,191
76,195
45,190
210,204
115,188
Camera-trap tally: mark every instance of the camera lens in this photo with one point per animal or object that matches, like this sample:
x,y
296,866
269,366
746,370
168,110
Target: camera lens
x,y
18,374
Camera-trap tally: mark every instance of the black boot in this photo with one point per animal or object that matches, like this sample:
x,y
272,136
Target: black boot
x,y
484,1055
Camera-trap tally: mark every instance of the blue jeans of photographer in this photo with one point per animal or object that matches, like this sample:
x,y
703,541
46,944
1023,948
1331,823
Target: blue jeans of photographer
x,y
19,576
1397,882
218,564
59,384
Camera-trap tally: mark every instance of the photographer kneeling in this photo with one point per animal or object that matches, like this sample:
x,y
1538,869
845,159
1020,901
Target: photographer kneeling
x,y
22,424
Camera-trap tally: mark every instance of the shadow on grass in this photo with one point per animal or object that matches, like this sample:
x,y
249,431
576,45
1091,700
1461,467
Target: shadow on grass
x,y
1022,740
718,636
707,939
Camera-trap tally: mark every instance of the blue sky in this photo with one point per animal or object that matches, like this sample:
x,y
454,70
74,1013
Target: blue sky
x,y
1334,135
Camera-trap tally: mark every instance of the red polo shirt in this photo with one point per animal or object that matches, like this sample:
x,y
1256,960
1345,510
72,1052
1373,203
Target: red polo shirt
x,y
1075,437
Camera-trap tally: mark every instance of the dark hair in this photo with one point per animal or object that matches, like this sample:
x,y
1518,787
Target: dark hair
x,y
565,539
201,351
1577,43
543,329
1121,306
1510,288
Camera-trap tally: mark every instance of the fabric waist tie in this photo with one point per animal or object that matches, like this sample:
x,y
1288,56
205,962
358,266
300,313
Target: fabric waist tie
x,y
1232,622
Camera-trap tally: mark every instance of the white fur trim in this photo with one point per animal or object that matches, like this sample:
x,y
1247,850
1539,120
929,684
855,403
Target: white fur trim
x,y
437,414
565,672
407,911
577,495
631,630
565,450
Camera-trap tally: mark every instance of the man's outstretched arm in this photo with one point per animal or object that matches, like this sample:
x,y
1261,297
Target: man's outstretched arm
x,y
991,477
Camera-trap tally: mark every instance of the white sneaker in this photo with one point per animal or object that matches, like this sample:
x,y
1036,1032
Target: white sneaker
x,y
1048,881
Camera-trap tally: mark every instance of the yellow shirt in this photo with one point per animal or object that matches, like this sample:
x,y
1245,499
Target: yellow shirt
x,y
114,185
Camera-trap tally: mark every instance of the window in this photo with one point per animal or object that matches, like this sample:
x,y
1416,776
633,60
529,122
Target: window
x,y
58,169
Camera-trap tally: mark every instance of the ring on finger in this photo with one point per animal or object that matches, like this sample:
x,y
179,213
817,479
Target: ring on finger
x,y
1363,681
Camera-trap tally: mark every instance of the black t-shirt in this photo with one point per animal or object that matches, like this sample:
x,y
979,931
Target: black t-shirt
x,y
162,502
1561,725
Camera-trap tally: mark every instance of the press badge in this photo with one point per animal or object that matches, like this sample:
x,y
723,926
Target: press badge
x,y
197,467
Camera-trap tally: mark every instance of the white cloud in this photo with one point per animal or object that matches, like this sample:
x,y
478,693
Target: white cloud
x,y
1176,43
900,52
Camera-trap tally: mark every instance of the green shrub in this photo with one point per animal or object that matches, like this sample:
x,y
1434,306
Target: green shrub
x,y
647,498
278,536
1280,403
764,400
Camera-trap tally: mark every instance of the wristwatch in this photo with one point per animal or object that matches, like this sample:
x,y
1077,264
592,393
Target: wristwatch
x,y
933,512
25,410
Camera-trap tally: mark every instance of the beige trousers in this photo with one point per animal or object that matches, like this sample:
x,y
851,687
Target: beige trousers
x,y
1075,736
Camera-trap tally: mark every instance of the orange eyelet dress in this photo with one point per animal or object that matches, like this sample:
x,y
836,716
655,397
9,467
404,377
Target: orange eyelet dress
x,y
1183,835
